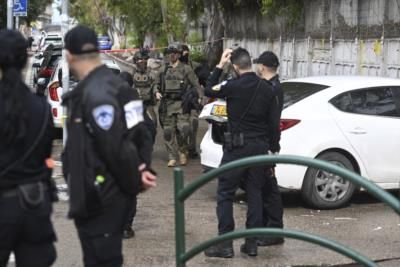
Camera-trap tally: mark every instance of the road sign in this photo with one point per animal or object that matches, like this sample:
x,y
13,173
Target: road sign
x,y
20,8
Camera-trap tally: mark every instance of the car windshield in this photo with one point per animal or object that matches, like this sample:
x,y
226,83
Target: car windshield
x,y
293,92
54,41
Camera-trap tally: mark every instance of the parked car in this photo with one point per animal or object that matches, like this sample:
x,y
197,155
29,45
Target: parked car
x,y
353,122
43,71
54,90
105,42
54,38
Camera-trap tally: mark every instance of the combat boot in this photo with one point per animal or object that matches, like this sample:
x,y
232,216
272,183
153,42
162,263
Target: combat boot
x,y
249,247
171,163
183,159
221,250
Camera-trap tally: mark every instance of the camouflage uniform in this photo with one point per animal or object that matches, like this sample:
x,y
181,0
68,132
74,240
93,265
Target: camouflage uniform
x,y
147,84
176,124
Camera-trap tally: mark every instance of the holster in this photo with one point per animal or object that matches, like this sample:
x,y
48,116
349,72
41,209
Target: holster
x,y
31,196
233,140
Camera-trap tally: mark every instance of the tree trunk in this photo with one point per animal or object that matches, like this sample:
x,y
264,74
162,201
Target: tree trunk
x,y
215,32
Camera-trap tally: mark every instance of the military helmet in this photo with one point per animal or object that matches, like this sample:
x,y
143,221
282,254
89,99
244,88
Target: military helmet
x,y
142,54
174,48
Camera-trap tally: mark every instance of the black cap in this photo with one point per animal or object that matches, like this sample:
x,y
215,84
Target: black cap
x,y
268,59
81,40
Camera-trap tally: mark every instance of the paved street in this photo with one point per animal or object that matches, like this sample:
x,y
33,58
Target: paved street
x,y
366,225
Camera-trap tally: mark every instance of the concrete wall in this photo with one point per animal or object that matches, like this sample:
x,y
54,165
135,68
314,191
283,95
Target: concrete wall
x,y
314,57
365,38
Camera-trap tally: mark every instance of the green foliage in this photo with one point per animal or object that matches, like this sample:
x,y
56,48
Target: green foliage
x,y
194,37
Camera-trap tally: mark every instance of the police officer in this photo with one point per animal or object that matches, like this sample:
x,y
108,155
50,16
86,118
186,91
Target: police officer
x,y
143,138
176,80
145,82
101,163
267,66
26,135
251,116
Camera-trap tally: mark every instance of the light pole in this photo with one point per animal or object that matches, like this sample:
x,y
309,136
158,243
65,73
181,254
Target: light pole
x,y
10,6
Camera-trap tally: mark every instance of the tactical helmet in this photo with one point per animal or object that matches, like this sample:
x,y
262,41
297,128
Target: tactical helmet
x,y
174,48
142,54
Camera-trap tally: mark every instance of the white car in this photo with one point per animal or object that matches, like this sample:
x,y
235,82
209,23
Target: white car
x,y
54,91
350,121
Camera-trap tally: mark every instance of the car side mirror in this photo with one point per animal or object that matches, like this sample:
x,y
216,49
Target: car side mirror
x,y
41,81
36,65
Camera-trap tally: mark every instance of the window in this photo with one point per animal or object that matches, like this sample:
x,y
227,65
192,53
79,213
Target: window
x,y
295,91
382,101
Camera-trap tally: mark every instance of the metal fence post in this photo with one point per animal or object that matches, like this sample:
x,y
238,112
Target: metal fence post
x,y
179,218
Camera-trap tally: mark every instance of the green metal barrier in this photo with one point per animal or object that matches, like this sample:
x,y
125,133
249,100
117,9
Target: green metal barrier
x,y
182,193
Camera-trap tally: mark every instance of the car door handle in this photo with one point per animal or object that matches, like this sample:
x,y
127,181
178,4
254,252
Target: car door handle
x,y
358,131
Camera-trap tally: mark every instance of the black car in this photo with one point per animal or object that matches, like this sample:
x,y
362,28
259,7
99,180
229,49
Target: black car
x,y
44,70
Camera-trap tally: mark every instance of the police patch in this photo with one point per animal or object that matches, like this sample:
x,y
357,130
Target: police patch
x,y
133,113
218,86
104,116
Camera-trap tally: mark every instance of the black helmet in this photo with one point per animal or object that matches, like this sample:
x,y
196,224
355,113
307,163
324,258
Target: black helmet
x,y
142,54
174,48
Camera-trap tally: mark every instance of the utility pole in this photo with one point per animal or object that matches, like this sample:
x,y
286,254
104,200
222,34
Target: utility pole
x,y
10,6
17,23
65,69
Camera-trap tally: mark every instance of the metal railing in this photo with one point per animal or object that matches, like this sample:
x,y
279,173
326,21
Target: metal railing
x,y
182,193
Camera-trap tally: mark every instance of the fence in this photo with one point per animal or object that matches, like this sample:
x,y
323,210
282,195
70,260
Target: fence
x,y
182,193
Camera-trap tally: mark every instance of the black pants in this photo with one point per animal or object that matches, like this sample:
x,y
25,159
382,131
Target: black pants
x,y
272,203
27,232
101,236
132,212
252,179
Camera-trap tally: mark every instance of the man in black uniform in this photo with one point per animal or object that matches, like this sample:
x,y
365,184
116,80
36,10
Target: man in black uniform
x,y
267,66
101,163
251,117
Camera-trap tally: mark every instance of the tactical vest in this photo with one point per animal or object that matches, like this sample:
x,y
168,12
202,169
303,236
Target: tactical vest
x,y
144,84
175,82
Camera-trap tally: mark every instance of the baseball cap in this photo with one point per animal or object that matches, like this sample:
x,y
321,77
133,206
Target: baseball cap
x,y
81,40
268,59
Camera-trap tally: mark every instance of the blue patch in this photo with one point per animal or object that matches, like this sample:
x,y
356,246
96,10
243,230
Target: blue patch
x,y
104,116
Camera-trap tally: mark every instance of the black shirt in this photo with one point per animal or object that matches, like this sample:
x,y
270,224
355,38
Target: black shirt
x,y
34,167
261,118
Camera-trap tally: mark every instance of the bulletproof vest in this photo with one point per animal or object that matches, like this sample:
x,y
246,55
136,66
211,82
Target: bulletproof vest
x,y
174,81
143,83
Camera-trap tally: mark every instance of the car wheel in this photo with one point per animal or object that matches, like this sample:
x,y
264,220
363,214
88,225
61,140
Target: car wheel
x,y
324,190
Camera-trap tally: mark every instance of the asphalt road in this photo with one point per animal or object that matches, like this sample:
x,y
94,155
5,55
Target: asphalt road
x,y
366,225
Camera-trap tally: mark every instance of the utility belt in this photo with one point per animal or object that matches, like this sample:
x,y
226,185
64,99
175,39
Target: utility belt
x,y
173,96
238,140
32,195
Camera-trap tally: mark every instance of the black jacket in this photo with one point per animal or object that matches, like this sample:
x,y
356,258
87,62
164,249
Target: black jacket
x,y
262,118
34,167
98,144
275,137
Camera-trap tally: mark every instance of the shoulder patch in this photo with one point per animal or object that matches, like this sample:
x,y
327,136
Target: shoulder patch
x,y
218,86
133,113
104,116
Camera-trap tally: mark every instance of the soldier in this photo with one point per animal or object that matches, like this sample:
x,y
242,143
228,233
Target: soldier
x,y
194,113
145,83
177,80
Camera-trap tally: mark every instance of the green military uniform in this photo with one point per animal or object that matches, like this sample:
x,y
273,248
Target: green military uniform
x,y
176,124
146,83
194,119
